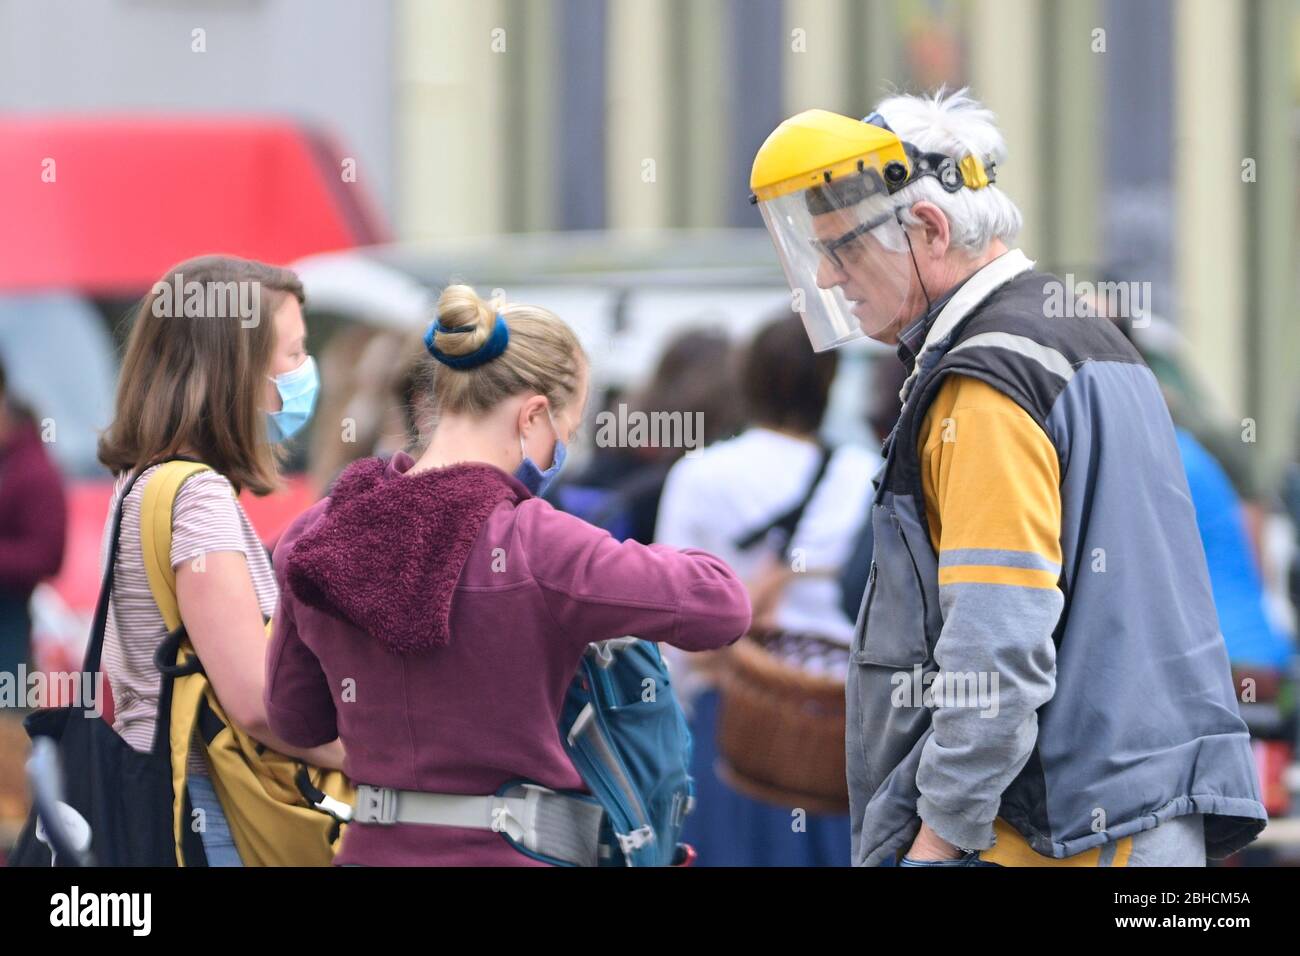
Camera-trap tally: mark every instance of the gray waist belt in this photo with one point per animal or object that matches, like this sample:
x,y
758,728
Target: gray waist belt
x,y
541,820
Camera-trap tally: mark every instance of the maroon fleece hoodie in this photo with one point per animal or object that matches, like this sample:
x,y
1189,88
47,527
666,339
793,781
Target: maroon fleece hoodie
x,y
434,622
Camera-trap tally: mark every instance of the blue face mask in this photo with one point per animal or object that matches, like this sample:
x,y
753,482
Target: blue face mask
x,y
532,477
298,390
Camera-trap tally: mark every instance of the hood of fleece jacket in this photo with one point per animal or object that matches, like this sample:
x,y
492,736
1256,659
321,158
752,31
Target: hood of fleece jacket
x,y
387,551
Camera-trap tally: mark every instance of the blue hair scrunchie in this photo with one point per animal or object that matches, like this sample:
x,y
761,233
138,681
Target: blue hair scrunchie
x,y
496,344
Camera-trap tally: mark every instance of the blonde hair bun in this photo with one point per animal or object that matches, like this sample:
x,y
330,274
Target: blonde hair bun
x,y
460,308
505,349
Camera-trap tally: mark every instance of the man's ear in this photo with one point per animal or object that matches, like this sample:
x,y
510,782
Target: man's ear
x,y
936,234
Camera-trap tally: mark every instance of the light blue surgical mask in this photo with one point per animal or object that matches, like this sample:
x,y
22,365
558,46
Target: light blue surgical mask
x,y
532,477
298,390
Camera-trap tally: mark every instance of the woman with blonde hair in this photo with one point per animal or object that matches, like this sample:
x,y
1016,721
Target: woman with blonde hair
x,y
435,611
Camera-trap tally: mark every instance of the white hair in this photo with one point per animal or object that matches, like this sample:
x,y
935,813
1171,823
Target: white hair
x,y
956,125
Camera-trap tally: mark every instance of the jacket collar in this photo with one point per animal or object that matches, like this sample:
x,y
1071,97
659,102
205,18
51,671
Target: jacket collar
x,y
912,338
969,296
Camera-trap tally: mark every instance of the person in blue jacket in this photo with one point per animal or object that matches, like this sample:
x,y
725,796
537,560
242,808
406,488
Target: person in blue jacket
x,y
1252,639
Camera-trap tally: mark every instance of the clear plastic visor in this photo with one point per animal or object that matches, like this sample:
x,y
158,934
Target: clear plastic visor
x,y
845,256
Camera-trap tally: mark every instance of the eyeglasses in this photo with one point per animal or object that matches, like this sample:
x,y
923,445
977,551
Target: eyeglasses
x,y
831,249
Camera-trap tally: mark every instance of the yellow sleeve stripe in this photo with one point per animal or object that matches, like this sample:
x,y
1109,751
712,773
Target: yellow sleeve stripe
x,y
993,574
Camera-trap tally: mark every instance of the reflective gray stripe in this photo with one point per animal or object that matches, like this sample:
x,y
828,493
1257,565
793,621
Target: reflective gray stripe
x,y
998,557
1049,358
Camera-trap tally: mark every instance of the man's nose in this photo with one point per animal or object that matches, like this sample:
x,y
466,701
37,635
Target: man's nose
x,y
829,275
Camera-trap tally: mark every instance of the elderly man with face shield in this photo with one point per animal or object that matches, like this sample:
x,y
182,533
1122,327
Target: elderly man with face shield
x,y
1037,672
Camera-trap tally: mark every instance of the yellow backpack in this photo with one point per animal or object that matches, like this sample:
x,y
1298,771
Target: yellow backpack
x,y
263,793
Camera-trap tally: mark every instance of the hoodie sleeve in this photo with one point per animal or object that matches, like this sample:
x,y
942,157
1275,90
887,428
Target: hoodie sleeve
x,y
597,588
299,707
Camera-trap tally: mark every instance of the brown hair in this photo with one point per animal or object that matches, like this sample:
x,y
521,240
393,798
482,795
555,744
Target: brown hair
x,y
543,354
696,373
192,375
785,383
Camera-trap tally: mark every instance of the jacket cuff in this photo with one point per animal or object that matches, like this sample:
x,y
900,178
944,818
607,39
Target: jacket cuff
x,y
953,827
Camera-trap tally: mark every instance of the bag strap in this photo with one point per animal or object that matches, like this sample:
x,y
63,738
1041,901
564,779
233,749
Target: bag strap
x,y
156,506
99,625
788,521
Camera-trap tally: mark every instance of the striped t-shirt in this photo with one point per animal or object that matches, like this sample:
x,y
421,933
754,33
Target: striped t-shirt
x,y
206,517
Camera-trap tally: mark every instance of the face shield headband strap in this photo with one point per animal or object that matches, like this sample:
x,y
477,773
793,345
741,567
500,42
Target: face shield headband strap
x,y
970,172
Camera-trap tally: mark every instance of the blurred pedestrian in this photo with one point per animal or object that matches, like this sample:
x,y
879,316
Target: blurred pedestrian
x,y
367,408
737,497
780,506
33,523
621,486
1290,495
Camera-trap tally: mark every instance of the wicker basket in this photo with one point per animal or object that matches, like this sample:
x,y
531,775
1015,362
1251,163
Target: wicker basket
x,y
780,727
14,803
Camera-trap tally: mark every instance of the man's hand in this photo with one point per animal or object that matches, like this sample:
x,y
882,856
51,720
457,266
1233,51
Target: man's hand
x,y
928,845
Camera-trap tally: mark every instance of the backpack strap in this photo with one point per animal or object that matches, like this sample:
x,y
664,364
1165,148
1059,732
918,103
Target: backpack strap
x,y
183,683
788,521
156,506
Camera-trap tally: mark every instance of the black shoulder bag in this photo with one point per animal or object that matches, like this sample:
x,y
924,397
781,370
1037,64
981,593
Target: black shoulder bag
x,y
124,794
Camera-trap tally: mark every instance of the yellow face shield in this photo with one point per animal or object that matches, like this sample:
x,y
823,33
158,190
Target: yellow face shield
x,y
824,184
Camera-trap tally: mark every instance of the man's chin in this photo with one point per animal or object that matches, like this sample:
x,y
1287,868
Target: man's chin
x,y
881,330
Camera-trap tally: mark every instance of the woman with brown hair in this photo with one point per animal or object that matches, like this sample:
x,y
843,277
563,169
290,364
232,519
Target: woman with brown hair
x,y
216,369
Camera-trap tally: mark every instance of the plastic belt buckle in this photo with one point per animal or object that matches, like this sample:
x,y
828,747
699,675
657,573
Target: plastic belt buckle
x,y
629,842
503,820
377,805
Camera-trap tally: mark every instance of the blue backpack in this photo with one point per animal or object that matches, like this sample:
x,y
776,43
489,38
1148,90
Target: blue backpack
x,y
626,734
